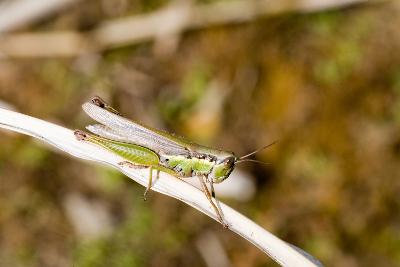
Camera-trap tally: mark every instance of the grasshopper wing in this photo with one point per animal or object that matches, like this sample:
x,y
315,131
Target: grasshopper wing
x,y
106,132
121,129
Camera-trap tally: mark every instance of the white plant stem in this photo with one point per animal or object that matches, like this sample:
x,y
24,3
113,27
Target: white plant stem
x,y
16,13
64,139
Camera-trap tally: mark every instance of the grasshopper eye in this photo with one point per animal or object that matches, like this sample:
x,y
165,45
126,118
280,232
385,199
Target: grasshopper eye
x,y
228,161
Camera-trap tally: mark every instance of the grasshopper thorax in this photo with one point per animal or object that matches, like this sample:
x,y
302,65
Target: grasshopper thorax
x,y
223,167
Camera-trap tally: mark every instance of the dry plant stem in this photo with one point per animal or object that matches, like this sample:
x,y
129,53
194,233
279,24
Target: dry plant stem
x,y
16,13
64,139
171,20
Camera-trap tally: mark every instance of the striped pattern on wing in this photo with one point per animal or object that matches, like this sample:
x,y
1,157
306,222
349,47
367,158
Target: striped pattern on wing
x,y
122,129
106,132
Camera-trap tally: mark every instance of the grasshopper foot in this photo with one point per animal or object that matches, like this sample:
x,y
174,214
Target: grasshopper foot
x,y
225,225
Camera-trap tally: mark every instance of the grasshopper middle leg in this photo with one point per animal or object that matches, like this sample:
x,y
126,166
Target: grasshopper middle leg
x,y
138,166
150,184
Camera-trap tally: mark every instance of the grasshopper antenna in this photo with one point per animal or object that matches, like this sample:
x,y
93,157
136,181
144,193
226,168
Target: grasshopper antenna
x,y
242,158
252,160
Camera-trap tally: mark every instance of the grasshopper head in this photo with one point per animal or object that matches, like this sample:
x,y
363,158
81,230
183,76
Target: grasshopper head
x,y
223,168
226,162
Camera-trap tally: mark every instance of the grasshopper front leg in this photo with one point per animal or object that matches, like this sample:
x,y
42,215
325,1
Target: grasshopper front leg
x,y
218,211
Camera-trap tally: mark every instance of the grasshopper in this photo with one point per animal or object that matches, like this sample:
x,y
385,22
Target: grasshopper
x,y
144,147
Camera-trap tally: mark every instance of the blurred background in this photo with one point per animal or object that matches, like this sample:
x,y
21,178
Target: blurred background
x,y
321,77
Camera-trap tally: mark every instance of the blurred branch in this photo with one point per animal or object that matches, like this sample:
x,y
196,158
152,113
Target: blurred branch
x,y
64,139
171,20
62,43
16,13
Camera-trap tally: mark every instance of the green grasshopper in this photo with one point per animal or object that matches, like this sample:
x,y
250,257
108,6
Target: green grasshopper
x,y
145,147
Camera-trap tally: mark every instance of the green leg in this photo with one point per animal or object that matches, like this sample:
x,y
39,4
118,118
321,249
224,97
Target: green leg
x,y
137,166
149,184
208,195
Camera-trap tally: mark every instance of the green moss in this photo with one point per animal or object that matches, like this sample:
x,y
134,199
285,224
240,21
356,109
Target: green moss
x,y
123,248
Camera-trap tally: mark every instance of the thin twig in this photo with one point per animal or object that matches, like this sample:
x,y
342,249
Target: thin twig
x,y
171,20
17,13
